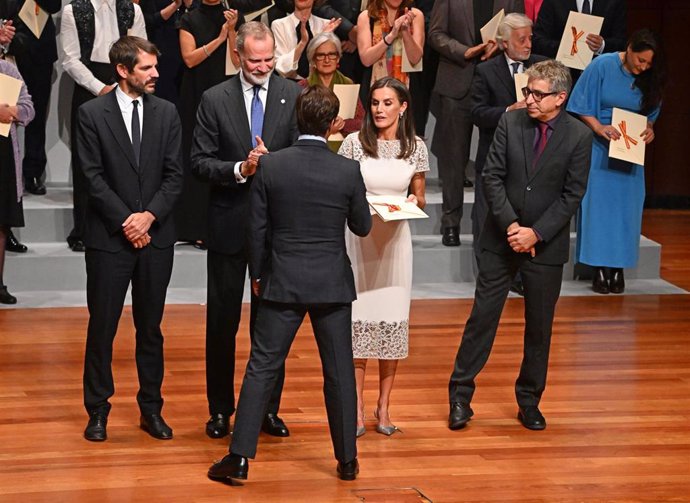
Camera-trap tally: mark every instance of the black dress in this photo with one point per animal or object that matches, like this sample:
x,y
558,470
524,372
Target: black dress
x,y
204,24
11,210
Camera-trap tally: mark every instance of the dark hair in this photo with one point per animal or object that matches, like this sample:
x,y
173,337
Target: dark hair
x,y
368,134
376,6
125,51
316,108
651,82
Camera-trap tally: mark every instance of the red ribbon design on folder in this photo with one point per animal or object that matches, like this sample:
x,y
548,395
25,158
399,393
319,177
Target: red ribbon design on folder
x,y
391,207
37,10
628,139
576,37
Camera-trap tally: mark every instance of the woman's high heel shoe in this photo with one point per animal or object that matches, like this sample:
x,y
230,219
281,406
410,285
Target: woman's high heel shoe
x,y
361,430
385,430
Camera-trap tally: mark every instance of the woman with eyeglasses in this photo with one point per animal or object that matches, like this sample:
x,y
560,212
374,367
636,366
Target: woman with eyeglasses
x,y
323,54
610,220
393,161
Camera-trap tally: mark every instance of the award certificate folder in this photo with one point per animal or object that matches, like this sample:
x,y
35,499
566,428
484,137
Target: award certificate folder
x,y
408,67
251,16
347,95
574,51
490,29
391,208
34,17
521,80
230,68
629,147
9,94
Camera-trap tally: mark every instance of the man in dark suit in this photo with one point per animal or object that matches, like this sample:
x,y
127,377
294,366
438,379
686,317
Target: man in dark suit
x,y
534,178
237,122
493,94
454,34
134,177
548,30
301,200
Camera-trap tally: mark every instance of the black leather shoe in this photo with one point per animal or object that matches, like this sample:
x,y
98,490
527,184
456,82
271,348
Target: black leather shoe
x,y
155,425
531,418
232,466
76,245
517,287
617,282
275,426
600,284
218,426
349,470
95,430
460,414
467,183
34,185
12,244
6,297
450,236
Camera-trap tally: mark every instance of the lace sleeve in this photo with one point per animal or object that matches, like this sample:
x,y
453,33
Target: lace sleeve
x,y
346,148
420,158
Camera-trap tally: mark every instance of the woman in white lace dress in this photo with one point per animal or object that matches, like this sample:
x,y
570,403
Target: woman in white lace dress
x,y
393,161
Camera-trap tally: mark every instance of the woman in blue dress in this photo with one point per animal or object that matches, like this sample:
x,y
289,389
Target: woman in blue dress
x,y
610,221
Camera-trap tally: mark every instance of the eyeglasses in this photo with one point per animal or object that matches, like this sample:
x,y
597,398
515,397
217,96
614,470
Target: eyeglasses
x,y
537,95
326,56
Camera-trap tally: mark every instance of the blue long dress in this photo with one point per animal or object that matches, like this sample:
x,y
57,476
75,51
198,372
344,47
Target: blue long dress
x,y
610,219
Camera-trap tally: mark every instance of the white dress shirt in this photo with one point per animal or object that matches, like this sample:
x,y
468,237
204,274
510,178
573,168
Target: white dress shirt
x,y
510,62
248,95
106,33
126,108
285,33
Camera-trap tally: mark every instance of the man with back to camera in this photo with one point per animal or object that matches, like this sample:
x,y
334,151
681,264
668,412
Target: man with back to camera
x,y
301,200
134,177
534,179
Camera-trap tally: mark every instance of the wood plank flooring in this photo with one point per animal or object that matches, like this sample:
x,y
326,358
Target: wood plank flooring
x,y
617,406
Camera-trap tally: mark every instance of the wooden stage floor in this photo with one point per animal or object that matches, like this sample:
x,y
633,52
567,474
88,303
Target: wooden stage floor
x,y
617,406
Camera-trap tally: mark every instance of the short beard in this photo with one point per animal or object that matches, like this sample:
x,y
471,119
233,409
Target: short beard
x,y
254,80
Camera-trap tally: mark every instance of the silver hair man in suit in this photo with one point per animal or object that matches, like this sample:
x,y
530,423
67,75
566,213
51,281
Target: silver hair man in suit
x,y
134,177
302,198
455,34
534,179
238,121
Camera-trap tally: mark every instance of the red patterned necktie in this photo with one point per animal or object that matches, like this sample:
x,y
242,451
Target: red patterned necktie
x,y
541,144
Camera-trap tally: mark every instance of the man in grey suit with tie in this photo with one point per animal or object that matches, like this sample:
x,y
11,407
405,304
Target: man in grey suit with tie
x,y
238,121
301,200
134,177
534,179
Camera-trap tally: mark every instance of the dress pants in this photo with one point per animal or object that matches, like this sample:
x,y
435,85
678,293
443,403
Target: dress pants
x,y
37,76
276,326
108,277
226,277
451,145
542,284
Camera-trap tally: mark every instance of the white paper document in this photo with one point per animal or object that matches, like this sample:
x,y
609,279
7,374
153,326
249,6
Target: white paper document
x,y
408,67
9,94
230,68
251,16
34,17
391,208
520,82
574,51
347,95
490,29
629,147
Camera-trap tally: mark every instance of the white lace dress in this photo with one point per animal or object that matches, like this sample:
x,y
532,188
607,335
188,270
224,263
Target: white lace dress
x,y
382,261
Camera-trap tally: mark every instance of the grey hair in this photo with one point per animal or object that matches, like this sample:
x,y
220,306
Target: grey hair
x,y
253,29
319,40
513,21
552,71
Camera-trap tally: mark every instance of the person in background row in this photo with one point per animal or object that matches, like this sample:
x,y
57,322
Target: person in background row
x,y
88,30
11,212
422,83
347,11
323,53
460,46
608,232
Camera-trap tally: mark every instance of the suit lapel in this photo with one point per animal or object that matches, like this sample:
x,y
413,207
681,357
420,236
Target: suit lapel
x,y
150,134
114,120
276,106
552,146
503,73
528,143
236,113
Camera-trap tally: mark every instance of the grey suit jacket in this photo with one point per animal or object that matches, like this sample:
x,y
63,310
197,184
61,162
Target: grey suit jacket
x,y
451,33
222,138
543,197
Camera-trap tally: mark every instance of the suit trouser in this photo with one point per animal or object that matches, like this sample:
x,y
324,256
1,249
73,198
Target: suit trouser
x,y
226,277
108,276
276,326
37,77
542,284
451,144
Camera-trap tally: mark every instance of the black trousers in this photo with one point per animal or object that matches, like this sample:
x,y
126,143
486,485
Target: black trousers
x,y
37,76
542,284
108,277
226,276
276,326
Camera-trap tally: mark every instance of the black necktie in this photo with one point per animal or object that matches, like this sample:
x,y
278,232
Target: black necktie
x,y
136,131
586,7
516,67
303,63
